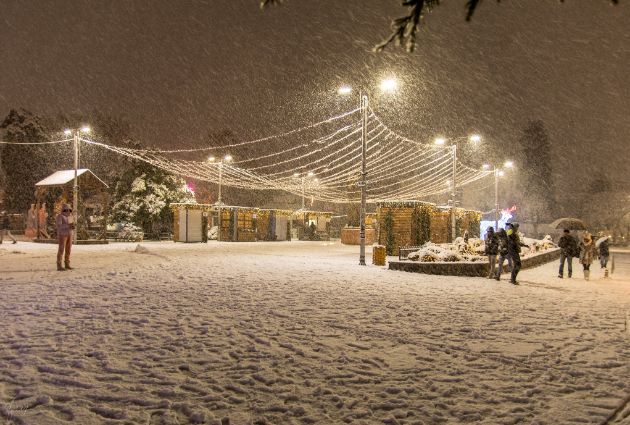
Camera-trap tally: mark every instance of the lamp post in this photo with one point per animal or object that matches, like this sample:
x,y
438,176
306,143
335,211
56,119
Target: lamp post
x,y
303,179
75,186
219,203
475,138
386,86
498,172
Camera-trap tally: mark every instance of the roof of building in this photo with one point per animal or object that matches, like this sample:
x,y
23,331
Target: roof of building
x,y
60,178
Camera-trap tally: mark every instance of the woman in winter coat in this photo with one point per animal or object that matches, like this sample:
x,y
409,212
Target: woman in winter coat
x,y
65,228
587,253
492,249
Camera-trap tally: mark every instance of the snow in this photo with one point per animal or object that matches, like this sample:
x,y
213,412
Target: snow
x,y
298,333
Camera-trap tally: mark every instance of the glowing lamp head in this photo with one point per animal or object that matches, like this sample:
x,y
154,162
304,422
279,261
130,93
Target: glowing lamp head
x,y
486,166
501,173
475,138
211,158
310,174
85,129
296,174
389,85
440,141
67,132
509,164
344,90
227,158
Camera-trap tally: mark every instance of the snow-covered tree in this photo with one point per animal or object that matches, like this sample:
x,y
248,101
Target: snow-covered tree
x,y
24,165
143,196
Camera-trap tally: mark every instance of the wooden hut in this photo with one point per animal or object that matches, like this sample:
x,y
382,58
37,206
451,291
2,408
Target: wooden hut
x,y
411,223
188,221
351,235
57,189
311,225
235,223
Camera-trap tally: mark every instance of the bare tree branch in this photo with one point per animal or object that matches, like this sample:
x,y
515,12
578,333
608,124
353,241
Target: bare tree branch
x,y
405,28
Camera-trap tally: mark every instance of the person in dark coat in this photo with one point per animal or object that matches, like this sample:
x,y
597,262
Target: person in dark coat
x,y
492,249
604,253
502,238
4,227
568,250
514,251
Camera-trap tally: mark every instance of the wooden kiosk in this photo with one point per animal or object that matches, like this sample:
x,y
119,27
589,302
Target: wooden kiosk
x,y
57,189
235,223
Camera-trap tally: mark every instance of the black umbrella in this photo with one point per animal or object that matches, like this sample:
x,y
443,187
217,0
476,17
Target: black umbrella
x,y
569,223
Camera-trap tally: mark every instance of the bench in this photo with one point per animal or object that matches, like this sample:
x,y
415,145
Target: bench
x,y
404,251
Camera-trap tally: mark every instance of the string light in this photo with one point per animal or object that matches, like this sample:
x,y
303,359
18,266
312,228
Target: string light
x,y
398,167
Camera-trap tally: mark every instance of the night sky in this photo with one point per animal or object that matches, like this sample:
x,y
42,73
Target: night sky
x,y
178,70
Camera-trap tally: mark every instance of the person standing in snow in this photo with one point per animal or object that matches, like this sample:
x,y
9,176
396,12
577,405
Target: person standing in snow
x,y
514,251
568,248
587,253
65,227
604,253
502,239
4,227
492,249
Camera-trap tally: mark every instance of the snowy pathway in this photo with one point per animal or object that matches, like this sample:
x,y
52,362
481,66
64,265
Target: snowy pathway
x,y
297,333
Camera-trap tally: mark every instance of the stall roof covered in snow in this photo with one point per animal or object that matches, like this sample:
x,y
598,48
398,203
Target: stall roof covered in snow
x,y
60,178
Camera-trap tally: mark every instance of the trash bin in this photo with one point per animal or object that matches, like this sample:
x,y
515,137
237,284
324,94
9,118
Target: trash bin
x,y
378,255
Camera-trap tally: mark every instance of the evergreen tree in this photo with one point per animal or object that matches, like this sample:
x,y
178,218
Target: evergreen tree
x,y
143,196
24,165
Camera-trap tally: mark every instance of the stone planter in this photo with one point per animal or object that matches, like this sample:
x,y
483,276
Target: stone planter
x,y
479,269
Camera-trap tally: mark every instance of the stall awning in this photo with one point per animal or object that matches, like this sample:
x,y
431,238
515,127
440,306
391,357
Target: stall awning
x,y
63,177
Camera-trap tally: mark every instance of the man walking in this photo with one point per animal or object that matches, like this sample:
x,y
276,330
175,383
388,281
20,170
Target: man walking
x,y
4,227
492,249
568,250
503,252
514,251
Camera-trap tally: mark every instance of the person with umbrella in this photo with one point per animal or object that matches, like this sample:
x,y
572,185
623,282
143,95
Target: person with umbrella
x,y
568,250
604,252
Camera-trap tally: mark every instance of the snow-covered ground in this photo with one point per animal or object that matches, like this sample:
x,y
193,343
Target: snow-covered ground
x,y
298,333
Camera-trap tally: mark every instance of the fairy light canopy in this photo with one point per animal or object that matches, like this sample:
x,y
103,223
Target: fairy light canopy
x,y
398,167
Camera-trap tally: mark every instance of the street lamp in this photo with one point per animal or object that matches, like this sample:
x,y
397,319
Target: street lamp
x,y
310,174
219,203
498,172
212,159
387,85
441,141
75,187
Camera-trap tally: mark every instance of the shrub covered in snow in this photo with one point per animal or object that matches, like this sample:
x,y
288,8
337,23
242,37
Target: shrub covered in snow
x,y
473,250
